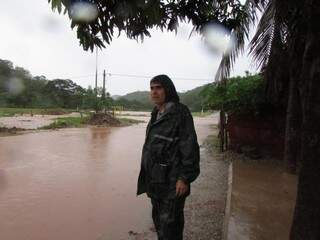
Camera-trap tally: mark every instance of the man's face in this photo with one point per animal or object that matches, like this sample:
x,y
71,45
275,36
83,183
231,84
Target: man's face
x,y
157,94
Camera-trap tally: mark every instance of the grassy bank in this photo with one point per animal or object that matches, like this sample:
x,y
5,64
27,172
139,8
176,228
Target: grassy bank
x,y
78,122
68,122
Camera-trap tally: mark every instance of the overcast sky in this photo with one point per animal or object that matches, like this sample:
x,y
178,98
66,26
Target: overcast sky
x,y
35,38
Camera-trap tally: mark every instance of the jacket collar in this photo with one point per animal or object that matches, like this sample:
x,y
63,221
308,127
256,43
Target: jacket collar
x,y
169,108
154,121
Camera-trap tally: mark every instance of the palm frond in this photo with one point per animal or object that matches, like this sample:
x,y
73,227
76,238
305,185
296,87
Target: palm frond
x,y
240,34
261,43
269,50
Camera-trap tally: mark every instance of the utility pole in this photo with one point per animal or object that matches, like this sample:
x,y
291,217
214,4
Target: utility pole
x,y
223,130
96,83
104,86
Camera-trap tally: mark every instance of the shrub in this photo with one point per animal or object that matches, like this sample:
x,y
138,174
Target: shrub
x,y
240,95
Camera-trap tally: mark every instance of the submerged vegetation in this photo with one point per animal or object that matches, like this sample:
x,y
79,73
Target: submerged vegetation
x,y
66,122
79,122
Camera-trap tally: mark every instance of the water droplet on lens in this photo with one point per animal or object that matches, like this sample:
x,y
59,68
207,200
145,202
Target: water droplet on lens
x,y
218,38
15,86
84,12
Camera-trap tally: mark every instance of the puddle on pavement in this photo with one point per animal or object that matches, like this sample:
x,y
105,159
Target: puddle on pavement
x,y
263,199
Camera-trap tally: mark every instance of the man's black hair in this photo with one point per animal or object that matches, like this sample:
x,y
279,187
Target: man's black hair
x,y
169,88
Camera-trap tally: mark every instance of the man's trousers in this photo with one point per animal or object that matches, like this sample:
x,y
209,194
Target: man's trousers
x,y
168,218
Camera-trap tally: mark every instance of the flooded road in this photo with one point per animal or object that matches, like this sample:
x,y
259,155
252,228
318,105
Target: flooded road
x,y
75,183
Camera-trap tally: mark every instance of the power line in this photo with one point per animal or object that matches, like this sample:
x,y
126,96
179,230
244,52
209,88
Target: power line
x,y
128,75
145,76
142,76
83,76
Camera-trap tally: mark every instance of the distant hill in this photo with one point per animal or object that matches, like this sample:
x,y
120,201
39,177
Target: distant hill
x,y
190,98
139,99
140,96
115,97
193,99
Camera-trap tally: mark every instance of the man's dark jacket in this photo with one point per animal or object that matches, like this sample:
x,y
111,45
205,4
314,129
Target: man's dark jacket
x,y
170,152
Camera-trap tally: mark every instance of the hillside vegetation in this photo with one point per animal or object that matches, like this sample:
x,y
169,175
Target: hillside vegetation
x,y
19,89
192,98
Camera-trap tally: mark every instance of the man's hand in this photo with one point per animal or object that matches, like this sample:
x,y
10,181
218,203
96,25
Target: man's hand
x,y
181,188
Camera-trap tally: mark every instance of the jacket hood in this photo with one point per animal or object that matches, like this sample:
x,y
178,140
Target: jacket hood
x,y
167,84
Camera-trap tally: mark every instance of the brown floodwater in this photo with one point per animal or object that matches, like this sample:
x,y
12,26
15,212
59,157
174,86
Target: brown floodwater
x,y
71,184
74,184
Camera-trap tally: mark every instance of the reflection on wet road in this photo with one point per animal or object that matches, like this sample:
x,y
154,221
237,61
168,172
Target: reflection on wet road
x,y
74,184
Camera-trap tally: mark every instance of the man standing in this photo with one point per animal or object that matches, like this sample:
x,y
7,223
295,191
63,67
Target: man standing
x,y
170,159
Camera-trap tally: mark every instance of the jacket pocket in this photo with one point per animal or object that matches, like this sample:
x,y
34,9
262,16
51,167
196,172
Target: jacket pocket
x,y
164,148
159,173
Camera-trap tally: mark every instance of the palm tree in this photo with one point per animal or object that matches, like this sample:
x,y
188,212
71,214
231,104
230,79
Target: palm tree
x,y
286,49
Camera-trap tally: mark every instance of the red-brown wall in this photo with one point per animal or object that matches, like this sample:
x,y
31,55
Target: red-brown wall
x,y
267,134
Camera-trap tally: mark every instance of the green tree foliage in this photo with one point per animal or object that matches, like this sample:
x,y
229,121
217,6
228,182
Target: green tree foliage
x,y
39,92
64,93
18,88
89,100
136,18
244,95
